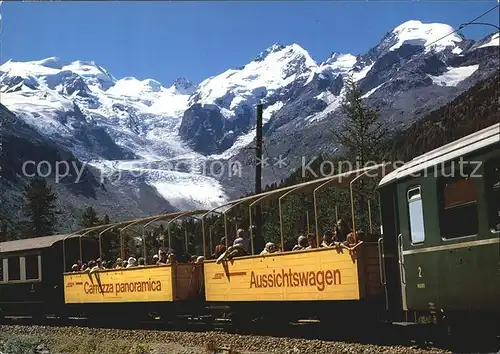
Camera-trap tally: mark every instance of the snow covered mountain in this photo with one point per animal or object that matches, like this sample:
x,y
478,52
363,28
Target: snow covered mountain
x,y
165,137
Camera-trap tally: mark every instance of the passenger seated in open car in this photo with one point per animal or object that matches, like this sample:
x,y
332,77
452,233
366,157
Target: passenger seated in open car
x,y
341,230
119,263
220,248
163,258
131,262
301,244
236,250
327,239
93,267
155,259
270,248
344,237
311,240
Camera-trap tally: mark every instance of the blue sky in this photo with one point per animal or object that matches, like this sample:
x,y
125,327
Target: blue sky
x,y
165,40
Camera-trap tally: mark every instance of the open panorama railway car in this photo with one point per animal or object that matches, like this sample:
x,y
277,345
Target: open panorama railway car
x,y
438,253
286,286
165,291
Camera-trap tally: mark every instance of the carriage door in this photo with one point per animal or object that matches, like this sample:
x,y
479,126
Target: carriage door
x,y
418,268
388,249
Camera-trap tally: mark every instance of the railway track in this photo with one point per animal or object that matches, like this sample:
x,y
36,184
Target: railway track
x,y
310,330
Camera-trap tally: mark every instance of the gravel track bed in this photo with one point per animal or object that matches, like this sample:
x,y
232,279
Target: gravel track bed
x,y
176,342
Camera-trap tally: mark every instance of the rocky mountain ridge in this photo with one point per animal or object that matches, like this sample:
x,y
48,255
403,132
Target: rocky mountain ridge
x,y
163,138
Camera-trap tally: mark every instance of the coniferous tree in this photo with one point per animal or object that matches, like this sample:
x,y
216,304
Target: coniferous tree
x,y
106,220
89,218
363,135
4,230
40,208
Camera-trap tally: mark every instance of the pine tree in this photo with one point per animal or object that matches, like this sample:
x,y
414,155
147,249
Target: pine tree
x,y
40,207
4,230
106,220
362,134
89,218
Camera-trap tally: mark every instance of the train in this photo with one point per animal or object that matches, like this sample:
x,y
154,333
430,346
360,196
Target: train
x,y
435,260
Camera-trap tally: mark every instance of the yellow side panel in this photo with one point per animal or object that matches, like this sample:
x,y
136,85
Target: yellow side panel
x,y
321,274
139,284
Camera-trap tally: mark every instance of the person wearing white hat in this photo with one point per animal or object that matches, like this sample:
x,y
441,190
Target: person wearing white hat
x,y
301,243
156,258
131,262
119,263
236,250
270,248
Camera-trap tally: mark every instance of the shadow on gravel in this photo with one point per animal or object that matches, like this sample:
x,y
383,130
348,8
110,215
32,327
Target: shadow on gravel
x,y
379,334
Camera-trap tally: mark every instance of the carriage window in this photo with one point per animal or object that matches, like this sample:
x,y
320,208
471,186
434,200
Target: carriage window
x,y
458,207
14,268
31,266
415,210
492,169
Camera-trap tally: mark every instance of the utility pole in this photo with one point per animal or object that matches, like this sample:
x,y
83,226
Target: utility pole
x,y
258,170
258,152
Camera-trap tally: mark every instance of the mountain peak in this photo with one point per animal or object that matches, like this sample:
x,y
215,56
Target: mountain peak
x,y
435,35
52,62
183,86
182,83
276,47
152,85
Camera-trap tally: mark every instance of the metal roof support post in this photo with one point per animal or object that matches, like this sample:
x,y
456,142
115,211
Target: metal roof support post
x,y
225,220
225,230
210,242
144,243
352,193
80,239
64,248
87,230
250,221
260,199
189,213
307,222
281,216
122,246
203,224
315,202
203,235
144,232
100,234
370,216
282,239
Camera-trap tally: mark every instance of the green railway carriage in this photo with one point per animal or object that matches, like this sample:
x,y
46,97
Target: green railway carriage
x,y
441,230
31,273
